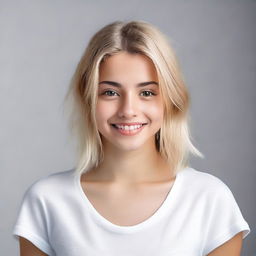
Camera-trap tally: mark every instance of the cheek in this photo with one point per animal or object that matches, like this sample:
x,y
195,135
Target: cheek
x,y
155,111
104,111
100,112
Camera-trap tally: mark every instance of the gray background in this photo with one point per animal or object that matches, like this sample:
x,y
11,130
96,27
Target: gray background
x,y
41,43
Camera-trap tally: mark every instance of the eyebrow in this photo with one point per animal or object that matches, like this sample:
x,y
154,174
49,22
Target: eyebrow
x,y
120,85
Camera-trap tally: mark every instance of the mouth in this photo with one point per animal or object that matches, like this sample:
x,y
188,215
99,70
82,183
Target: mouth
x,y
129,127
128,130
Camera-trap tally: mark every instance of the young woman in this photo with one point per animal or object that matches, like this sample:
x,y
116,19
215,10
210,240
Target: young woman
x,y
132,191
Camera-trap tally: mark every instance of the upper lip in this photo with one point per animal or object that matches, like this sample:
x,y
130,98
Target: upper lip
x,y
129,123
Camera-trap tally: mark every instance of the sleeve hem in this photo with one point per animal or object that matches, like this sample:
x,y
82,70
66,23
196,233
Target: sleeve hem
x,y
227,236
35,239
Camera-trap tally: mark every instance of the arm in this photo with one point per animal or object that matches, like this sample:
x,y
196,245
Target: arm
x,y
231,248
29,249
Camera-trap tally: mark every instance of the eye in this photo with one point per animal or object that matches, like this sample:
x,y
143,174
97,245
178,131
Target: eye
x,y
112,93
148,93
109,93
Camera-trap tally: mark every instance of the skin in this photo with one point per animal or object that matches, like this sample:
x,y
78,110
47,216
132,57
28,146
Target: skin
x,y
125,105
232,247
139,163
29,249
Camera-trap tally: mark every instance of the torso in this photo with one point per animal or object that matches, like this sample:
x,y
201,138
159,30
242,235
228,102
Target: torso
x,y
126,205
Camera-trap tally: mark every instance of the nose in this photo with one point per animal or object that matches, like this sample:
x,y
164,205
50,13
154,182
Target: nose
x,y
128,106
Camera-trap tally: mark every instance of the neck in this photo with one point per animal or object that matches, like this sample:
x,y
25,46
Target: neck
x,y
132,167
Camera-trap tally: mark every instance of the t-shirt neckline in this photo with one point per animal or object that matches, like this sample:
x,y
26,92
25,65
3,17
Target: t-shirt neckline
x,y
102,221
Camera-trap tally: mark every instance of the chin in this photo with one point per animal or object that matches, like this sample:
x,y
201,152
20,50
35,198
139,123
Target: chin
x,y
130,145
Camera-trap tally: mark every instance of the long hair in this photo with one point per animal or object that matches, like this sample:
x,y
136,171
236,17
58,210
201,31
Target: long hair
x,y
173,140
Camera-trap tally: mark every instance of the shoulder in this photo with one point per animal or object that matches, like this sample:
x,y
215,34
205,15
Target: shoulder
x,y
48,185
205,182
203,178
210,197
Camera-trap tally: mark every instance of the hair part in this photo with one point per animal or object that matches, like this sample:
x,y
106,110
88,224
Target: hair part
x,y
173,140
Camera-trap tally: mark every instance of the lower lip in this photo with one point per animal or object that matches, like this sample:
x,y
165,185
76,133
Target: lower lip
x,y
128,132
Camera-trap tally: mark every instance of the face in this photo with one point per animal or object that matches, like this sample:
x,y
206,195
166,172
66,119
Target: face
x,y
129,108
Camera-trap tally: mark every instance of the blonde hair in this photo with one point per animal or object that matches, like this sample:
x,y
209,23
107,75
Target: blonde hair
x,y
173,140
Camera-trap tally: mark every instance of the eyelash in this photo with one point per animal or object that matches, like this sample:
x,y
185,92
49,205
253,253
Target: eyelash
x,y
152,93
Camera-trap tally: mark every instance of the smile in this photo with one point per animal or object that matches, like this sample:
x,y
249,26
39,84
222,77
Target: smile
x,y
128,129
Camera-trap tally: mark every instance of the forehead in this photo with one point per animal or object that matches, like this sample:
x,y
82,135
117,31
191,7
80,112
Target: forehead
x,y
129,66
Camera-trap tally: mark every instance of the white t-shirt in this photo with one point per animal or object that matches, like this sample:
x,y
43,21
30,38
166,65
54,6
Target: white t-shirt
x,y
199,214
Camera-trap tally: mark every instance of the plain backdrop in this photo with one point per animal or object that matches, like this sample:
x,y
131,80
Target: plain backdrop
x,y
41,42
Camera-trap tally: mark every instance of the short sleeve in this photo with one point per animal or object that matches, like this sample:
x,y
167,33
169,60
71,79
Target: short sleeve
x,y
31,222
225,219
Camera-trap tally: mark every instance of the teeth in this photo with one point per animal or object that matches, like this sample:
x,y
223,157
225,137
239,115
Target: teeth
x,y
128,127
